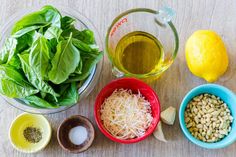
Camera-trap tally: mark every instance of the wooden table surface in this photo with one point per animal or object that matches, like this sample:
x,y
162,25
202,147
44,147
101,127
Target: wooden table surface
x,y
171,87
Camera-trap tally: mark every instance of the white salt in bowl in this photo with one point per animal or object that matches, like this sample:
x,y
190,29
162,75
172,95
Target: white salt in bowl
x,y
64,131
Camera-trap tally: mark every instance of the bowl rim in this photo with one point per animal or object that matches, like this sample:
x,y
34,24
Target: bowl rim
x,y
92,79
47,140
189,96
129,141
77,117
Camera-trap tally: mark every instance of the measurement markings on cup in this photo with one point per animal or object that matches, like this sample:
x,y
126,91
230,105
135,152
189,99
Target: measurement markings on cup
x,y
122,21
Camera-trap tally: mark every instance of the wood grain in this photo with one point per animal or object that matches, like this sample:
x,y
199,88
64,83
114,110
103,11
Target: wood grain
x,y
171,87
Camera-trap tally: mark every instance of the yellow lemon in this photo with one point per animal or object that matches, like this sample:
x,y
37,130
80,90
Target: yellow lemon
x,y
206,55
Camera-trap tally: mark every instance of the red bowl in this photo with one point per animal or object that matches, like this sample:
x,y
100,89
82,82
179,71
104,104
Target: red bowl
x,y
134,85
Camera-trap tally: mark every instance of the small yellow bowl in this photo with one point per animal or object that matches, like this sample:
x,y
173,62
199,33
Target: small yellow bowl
x,y
23,121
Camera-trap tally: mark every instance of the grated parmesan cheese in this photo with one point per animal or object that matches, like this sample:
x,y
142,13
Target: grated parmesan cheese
x,y
126,115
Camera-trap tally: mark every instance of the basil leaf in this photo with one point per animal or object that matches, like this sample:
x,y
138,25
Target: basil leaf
x,y
66,22
53,32
52,44
25,41
47,15
39,57
78,70
86,35
34,79
38,102
8,50
64,62
81,45
70,29
13,84
24,31
15,62
69,95
43,94
88,64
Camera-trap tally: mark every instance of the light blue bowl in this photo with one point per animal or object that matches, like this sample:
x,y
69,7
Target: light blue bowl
x,y
227,96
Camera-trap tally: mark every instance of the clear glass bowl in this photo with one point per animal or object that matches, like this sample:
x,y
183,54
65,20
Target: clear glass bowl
x,y
81,23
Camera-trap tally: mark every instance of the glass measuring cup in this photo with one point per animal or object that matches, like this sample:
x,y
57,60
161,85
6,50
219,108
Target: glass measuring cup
x,y
156,23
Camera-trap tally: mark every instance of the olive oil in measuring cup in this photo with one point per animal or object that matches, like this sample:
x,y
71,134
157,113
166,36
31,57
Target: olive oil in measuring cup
x,y
139,53
134,48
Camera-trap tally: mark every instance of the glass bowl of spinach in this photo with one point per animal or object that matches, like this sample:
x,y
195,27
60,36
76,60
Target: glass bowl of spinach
x,y
50,58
